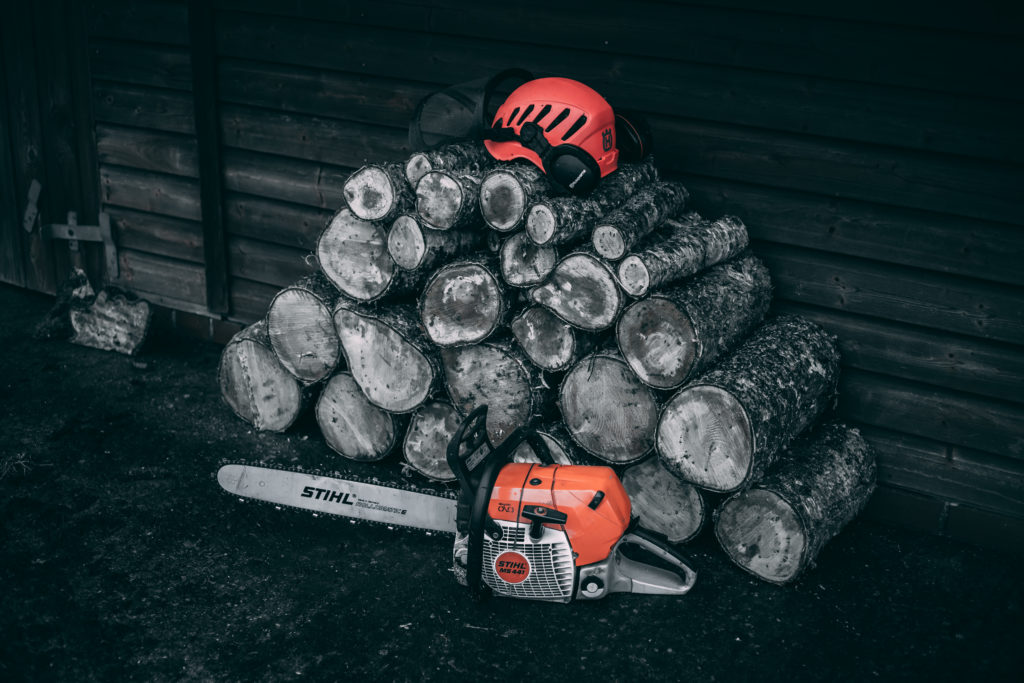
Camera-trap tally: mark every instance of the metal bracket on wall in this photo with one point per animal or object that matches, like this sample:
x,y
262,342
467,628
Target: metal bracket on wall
x,y
73,232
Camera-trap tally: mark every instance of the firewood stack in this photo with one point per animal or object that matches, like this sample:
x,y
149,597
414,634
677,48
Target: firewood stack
x,y
628,329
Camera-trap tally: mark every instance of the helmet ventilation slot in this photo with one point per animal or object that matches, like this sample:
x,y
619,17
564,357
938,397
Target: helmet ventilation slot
x,y
558,119
575,127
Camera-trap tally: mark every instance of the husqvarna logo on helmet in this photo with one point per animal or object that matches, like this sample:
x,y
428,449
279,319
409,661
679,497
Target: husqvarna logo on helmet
x,y
512,567
606,140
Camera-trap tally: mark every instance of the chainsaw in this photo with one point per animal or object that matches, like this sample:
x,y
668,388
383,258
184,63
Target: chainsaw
x,y
539,531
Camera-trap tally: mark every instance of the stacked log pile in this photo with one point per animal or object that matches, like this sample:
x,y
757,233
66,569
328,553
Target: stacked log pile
x,y
628,329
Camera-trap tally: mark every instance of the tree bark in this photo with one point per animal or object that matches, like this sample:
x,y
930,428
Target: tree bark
x,y
388,355
607,410
446,200
416,247
425,448
777,528
464,302
378,192
301,328
255,384
568,219
663,503
551,344
352,426
679,249
581,291
650,206
458,157
508,191
722,431
525,264
677,333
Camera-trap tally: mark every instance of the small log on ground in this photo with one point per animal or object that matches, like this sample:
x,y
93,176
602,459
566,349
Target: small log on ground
x,y
508,191
353,254
679,249
581,291
113,321
549,342
663,503
378,192
677,333
388,355
567,219
650,206
255,384
301,327
607,410
352,426
498,375
776,529
446,200
416,247
460,157
425,448
525,264
561,446
725,429
464,302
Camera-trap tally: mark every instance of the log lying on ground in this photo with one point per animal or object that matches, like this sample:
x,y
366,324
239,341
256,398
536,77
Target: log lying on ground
x,y
388,355
677,333
508,191
663,503
582,291
646,209
679,249
607,410
301,328
525,264
776,529
725,429
425,448
464,302
352,426
353,254
446,200
112,321
561,446
415,247
378,192
255,384
496,374
550,343
567,219
460,157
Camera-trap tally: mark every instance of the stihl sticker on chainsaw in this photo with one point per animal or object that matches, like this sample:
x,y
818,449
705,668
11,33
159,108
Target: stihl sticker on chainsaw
x,y
346,498
512,567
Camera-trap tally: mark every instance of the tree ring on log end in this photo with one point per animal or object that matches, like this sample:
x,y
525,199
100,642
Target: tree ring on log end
x,y
581,291
634,276
704,436
524,452
546,340
762,533
439,199
352,426
502,201
608,242
484,374
524,263
302,334
370,193
353,254
405,242
540,223
658,341
462,304
662,502
257,387
426,441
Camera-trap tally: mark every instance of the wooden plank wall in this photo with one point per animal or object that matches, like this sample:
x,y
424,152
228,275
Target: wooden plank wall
x,y
874,151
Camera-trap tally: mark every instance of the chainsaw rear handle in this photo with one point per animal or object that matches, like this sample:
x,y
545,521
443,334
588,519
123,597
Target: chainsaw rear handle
x,y
631,576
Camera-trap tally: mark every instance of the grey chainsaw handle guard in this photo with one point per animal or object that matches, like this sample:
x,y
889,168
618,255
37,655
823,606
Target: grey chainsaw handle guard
x,y
630,576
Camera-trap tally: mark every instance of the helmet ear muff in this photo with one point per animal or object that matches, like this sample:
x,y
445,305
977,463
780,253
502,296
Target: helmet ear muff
x,y
633,136
567,166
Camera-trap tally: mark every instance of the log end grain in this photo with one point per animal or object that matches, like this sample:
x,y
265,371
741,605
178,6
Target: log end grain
x,y
352,426
405,242
658,341
525,264
255,385
502,200
634,276
302,334
439,199
609,242
762,533
524,453
462,304
425,447
663,503
353,254
370,193
416,166
581,291
547,341
540,223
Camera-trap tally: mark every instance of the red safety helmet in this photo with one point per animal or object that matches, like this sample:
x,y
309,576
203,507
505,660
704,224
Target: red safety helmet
x,y
562,126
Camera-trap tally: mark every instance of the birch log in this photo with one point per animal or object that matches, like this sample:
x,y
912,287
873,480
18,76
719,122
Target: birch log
x,y
777,528
650,206
464,302
563,449
663,503
301,328
508,191
677,333
416,247
581,291
551,344
352,426
113,321
679,249
460,157
525,264
378,192
447,200
722,431
353,254
425,447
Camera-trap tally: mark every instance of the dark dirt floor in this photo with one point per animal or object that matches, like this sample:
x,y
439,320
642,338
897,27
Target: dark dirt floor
x,y
122,560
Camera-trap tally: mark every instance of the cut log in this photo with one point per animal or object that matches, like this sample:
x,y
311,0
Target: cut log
x,y
776,529
352,426
388,355
567,219
446,200
525,264
677,333
301,327
679,249
663,503
378,192
581,291
464,302
508,191
254,383
425,448
353,254
725,429
113,321
646,209
415,247
550,343
561,446
498,375
459,157
607,410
